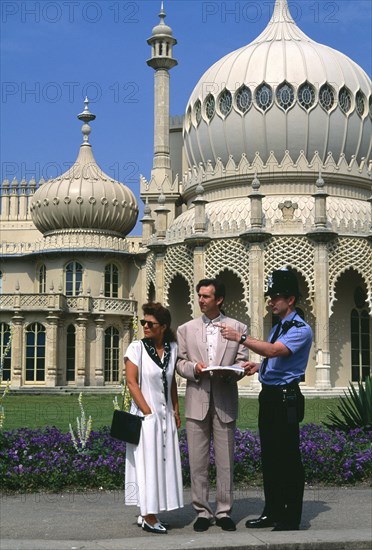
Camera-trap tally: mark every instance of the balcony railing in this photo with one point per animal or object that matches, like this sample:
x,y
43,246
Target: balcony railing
x,y
68,304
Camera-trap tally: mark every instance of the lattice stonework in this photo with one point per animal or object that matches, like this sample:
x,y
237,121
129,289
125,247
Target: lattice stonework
x,y
295,252
349,253
150,271
229,254
178,260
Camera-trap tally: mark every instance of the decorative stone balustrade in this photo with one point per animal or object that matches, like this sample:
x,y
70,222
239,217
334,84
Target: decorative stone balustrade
x,y
66,304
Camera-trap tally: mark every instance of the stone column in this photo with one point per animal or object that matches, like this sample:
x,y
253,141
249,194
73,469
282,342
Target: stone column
x,y
100,351
81,352
148,224
160,273
17,351
23,200
5,200
321,297
51,350
13,214
321,235
256,236
256,299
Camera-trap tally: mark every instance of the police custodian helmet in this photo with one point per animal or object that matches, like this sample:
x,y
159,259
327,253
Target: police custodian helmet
x,y
283,283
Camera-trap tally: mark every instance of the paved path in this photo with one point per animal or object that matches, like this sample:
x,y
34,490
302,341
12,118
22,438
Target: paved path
x,y
333,518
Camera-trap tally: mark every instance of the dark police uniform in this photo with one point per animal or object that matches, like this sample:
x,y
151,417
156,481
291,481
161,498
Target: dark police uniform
x,y
281,410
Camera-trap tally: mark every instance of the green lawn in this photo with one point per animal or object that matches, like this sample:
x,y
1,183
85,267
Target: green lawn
x,y
37,411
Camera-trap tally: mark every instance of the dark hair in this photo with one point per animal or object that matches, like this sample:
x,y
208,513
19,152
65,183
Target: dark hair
x,y
219,287
163,316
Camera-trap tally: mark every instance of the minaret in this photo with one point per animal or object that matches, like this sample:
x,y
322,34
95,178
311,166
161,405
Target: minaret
x,y
161,42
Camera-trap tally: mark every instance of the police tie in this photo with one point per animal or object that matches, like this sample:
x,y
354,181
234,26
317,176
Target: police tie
x,y
273,339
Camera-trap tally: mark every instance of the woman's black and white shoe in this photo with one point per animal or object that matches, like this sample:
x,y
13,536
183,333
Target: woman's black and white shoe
x,y
156,528
140,522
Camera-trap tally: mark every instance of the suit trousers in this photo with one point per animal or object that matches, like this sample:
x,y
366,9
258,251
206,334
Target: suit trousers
x,y
199,434
283,472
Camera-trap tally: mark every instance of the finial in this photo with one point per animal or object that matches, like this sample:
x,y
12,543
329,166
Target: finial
x,y
162,12
86,116
199,189
256,184
147,209
161,198
320,180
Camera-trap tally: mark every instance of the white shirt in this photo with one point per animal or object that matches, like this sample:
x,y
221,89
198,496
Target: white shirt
x,y
212,334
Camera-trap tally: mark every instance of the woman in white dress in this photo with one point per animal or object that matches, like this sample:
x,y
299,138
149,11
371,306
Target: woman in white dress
x,y
153,478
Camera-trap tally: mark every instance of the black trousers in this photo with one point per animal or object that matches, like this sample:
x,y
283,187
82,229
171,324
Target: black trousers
x,y
283,472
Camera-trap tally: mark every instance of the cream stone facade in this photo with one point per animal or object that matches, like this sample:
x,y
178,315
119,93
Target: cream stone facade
x,y
269,167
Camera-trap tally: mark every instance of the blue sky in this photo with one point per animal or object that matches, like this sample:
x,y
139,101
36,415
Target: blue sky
x,y
54,52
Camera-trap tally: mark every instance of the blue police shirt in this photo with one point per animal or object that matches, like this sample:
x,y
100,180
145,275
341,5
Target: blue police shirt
x,y
290,368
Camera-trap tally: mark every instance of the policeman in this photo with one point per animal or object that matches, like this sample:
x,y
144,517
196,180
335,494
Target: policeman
x,y
281,403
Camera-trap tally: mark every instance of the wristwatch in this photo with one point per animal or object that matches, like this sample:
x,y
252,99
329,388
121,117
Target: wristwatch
x,y
242,339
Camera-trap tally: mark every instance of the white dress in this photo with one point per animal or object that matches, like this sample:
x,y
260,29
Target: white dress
x,y
153,478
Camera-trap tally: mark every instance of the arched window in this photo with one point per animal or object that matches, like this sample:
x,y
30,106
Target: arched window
x,y
209,106
360,345
264,96
327,97
111,355
225,102
243,99
74,279
344,100
360,101
5,351
42,279
285,96
35,353
111,281
306,96
70,353
198,111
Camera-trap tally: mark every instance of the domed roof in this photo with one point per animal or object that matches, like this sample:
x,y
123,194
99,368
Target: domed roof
x,y
84,198
281,92
231,217
162,28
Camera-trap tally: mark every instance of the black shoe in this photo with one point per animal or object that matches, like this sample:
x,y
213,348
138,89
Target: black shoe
x,y
156,528
258,523
286,527
226,524
163,523
202,524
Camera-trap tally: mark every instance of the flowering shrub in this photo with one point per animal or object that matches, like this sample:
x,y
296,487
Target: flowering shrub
x,y
35,460
336,456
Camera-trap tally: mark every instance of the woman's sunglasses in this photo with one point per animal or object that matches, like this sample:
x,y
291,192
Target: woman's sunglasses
x,y
150,324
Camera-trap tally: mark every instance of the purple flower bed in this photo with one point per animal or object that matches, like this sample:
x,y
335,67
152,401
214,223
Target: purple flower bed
x,y
34,460
334,456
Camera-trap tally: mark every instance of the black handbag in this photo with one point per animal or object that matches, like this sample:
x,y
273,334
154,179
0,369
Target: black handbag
x,y
125,425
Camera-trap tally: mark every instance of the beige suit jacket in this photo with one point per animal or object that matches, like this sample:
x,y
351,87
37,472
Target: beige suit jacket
x,y
192,349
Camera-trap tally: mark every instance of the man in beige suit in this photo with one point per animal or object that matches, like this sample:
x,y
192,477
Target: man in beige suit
x,y
211,404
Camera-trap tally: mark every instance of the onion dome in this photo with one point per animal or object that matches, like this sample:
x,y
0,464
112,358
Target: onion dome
x,y
84,198
283,92
162,28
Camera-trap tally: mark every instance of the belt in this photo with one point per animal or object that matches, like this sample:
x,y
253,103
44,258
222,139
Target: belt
x,y
279,388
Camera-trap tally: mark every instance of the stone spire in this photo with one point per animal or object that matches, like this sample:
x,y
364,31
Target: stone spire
x,y
161,42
